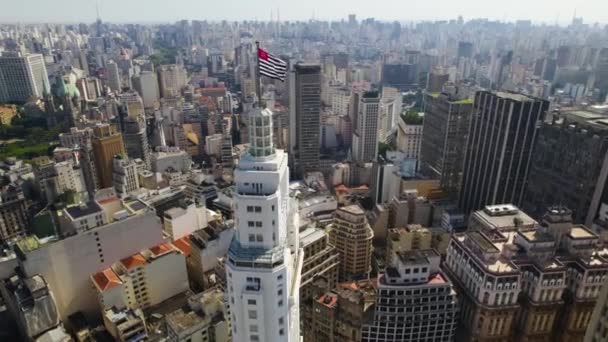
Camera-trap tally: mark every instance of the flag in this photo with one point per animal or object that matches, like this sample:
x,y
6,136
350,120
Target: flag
x,y
271,66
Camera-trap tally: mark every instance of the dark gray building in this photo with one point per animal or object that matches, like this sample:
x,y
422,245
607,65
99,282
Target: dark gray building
x,y
444,138
502,135
570,166
401,76
305,118
465,49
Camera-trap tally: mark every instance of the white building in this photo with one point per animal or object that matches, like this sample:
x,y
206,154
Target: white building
x,y
146,84
69,177
184,220
170,157
409,139
171,78
67,264
125,175
264,262
113,76
22,76
143,279
213,144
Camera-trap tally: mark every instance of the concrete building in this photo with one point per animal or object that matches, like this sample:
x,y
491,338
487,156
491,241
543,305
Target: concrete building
x,y
132,124
22,76
146,84
415,301
321,261
183,220
171,79
264,261
409,138
106,143
66,263
305,116
124,175
365,137
166,158
339,314
598,325
525,280
558,172
14,217
125,325
352,236
140,280
444,137
205,318
207,247
416,237
496,166
81,140
114,79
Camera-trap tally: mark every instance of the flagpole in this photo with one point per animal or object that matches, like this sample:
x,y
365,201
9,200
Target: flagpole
x,y
258,76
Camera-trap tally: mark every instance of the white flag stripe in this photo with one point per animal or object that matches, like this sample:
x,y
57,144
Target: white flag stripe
x,y
271,66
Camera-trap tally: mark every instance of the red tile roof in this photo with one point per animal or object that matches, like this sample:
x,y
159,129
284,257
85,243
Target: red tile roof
x,y
183,245
106,279
161,249
133,261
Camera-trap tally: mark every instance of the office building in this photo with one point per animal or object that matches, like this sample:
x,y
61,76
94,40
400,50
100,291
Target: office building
x,y
465,50
352,236
339,314
264,262
14,217
171,79
114,78
365,137
444,137
400,76
567,165
124,175
321,261
496,166
132,124
598,326
22,76
80,140
106,143
305,118
141,280
146,84
525,280
415,301
409,137
166,158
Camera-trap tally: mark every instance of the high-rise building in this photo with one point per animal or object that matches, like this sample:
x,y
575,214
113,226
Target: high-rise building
x,y
22,76
352,236
444,138
132,123
465,49
525,280
496,165
264,260
305,118
415,301
106,144
80,140
401,76
146,84
409,136
171,79
567,166
113,72
14,218
124,175
365,137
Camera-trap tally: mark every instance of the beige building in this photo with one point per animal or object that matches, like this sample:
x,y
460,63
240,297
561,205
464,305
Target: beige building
x,y
352,236
598,326
125,325
7,113
107,143
416,237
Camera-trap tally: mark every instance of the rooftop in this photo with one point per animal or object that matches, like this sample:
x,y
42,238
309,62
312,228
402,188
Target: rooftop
x,y
161,249
106,280
354,209
133,261
581,232
79,211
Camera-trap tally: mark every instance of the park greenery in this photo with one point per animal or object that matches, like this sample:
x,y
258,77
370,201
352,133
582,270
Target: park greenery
x,y
27,138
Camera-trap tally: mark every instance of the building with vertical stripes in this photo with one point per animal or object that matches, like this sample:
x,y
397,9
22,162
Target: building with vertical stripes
x,y
502,134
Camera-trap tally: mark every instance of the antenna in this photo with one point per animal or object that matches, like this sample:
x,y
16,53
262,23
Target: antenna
x,y
97,9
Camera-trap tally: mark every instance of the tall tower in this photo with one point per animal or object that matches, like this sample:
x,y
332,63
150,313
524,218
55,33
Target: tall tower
x,y
365,139
502,135
264,263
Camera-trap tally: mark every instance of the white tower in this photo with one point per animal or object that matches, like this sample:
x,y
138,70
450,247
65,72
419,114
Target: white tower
x,y
264,263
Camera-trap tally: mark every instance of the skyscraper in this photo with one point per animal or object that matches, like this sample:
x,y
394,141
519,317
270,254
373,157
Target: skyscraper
x,y
499,148
305,118
365,138
22,76
264,261
114,81
146,84
444,137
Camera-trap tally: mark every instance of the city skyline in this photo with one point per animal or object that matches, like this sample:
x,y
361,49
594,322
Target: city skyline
x,y
64,11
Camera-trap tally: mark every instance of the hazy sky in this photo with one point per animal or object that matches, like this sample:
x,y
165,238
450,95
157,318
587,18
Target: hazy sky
x,y
404,10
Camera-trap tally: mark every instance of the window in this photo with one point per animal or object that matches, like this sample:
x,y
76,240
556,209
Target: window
x,y
251,301
280,292
249,208
258,209
251,238
281,302
254,338
280,277
281,331
250,224
252,314
259,238
258,224
281,321
253,328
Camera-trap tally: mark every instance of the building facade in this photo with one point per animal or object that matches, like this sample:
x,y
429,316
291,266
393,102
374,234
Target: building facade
x,y
503,133
22,76
264,262
365,137
106,144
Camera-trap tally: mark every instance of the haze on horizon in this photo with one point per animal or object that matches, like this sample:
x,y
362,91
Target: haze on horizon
x,y
142,11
